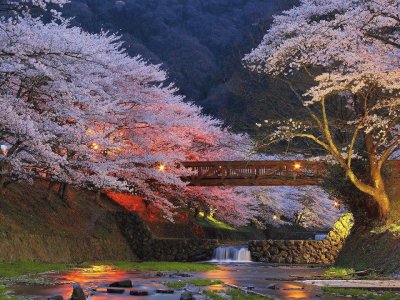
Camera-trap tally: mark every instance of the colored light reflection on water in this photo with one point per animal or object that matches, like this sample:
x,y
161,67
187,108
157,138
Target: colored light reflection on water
x,y
258,276
270,280
96,273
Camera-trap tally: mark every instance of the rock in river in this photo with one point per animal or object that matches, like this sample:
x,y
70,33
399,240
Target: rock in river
x,y
138,293
122,284
187,296
115,291
164,291
77,293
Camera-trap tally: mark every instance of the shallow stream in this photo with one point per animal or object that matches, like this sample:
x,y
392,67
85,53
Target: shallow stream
x,y
260,276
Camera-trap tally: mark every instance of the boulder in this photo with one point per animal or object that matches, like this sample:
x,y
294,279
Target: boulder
x,y
289,260
274,250
122,284
272,286
77,293
187,296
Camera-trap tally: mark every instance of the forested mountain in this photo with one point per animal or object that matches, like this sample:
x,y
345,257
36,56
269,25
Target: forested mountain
x,y
200,43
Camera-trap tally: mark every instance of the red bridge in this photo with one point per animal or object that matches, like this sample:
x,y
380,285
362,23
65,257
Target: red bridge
x,y
260,173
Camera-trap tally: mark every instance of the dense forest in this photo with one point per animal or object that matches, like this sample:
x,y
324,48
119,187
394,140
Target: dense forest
x,y
201,45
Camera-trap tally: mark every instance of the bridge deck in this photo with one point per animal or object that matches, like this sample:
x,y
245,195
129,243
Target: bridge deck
x,y
256,173
261,173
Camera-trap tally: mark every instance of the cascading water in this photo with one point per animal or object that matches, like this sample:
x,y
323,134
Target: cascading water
x,y
231,254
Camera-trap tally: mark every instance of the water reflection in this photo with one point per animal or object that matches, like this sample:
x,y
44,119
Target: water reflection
x,y
271,280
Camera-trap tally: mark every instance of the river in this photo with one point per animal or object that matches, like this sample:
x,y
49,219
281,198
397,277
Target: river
x,y
260,276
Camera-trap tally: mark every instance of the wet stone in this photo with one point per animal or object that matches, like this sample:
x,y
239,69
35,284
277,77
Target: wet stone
x,y
99,290
164,291
58,297
77,293
187,296
122,284
139,293
115,291
180,275
272,287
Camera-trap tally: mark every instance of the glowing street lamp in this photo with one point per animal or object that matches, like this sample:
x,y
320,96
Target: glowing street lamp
x,y
275,217
336,204
297,166
4,149
95,146
161,167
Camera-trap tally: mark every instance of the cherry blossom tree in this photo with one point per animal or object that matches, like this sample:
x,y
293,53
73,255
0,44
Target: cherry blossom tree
x,y
350,50
76,109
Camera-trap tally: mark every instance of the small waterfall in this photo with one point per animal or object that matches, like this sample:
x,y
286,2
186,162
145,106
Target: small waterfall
x,y
231,254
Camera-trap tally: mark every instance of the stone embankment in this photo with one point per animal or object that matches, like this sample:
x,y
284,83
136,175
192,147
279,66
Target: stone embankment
x,y
304,252
148,247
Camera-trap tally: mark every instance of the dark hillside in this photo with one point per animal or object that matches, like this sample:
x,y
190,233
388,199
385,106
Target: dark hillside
x,y
75,230
201,44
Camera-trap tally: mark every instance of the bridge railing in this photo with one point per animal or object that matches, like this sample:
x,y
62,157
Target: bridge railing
x,y
283,172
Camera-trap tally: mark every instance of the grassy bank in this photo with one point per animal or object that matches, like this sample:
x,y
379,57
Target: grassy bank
x,y
15,269
195,282
360,294
160,266
4,294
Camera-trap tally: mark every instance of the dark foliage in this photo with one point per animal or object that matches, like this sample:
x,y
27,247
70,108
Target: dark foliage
x,y
201,44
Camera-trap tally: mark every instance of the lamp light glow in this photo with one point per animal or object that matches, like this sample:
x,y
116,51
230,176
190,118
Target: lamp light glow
x,y
4,149
297,166
336,204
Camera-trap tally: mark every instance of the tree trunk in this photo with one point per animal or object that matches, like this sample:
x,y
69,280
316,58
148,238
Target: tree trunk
x,y
380,196
50,189
196,212
3,184
383,206
98,195
62,190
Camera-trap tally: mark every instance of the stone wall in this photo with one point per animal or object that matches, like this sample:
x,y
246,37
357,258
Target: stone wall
x,y
304,251
147,247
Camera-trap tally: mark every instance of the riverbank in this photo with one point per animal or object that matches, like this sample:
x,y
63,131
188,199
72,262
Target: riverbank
x,y
205,281
38,224
372,249
35,273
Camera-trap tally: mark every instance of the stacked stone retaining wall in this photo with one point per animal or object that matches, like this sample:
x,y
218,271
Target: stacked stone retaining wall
x,y
147,247
304,251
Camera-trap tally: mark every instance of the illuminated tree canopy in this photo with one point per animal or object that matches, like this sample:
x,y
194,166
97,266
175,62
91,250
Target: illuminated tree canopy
x,y
351,51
